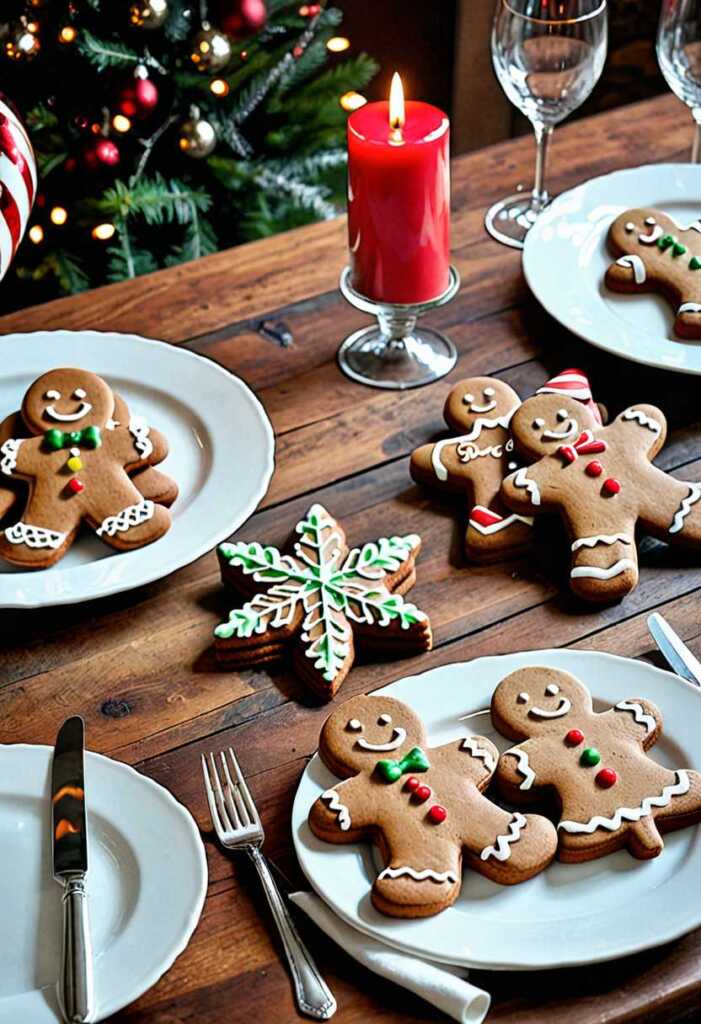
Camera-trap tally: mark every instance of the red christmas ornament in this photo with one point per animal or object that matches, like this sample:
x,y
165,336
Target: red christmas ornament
x,y
412,783
100,154
243,19
139,98
594,468
611,486
606,778
574,737
422,793
437,814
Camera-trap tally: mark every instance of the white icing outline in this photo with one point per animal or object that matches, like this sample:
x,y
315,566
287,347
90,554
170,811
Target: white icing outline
x,y
355,725
332,798
552,689
9,451
68,417
598,572
638,714
501,850
636,264
500,524
651,238
563,708
521,479
52,395
132,515
418,876
477,428
523,697
696,226
471,745
384,719
642,418
677,788
139,430
482,408
79,393
685,508
689,307
399,735
523,766
35,537
601,538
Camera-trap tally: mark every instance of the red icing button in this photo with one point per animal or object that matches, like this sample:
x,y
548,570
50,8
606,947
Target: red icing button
x,y
75,485
437,814
411,783
574,737
606,778
594,468
611,486
422,793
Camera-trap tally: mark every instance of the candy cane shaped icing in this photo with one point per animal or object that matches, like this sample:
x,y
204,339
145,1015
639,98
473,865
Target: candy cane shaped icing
x,y
601,538
471,745
642,418
478,426
638,714
652,237
523,767
501,850
599,572
521,479
9,452
635,264
677,788
332,798
418,876
487,522
685,508
689,307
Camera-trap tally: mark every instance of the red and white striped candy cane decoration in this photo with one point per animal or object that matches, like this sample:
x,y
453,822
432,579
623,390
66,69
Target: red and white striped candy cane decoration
x,y
18,183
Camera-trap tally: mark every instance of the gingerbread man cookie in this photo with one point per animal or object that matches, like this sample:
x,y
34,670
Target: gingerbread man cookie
x,y
609,793
422,806
602,482
77,471
656,255
474,463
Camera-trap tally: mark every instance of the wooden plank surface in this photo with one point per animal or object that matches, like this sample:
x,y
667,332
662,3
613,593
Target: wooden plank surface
x,y
139,666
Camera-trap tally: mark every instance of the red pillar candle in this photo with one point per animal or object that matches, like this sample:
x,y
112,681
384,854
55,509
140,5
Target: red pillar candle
x,y
399,200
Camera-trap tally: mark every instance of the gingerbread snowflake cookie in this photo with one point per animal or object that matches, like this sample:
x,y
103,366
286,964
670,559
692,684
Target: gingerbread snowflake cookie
x,y
422,806
656,255
602,482
610,794
321,598
76,469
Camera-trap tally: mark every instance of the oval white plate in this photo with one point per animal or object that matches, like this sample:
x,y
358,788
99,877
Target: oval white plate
x,y
566,256
147,880
571,913
221,454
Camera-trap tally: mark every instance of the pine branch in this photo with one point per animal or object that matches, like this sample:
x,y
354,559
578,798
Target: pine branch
x,y
103,55
200,240
156,199
40,118
124,260
308,197
48,162
179,22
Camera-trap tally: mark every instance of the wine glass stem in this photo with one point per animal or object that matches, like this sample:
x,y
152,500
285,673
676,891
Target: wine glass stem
x,y
542,139
696,146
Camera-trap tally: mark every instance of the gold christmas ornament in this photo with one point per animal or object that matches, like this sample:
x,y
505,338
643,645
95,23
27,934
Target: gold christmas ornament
x,y
21,41
211,50
148,14
197,136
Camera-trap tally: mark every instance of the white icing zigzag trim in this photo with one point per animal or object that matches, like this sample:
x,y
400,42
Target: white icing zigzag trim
x,y
638,714
643,419
478,426
139,430
636,265
502,845
418,876
601,538
9,452
677,788
471,745
333,800
500,524
598,572
34,536
523,766
521,479
132,515
685,508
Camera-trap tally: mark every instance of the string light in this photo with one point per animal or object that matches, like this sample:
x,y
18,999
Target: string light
x,y
337,44
219,87
352,101
120,123
103,232
36,233
59,216
67,34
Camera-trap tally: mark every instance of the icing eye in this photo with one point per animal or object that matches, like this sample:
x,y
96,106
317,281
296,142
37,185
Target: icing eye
x,y
650,221
513,465
75,452
52,395
468,398
354,725
509,446
538,423
384,720
630,226
489,392
79,393
552,689
562,414
523,698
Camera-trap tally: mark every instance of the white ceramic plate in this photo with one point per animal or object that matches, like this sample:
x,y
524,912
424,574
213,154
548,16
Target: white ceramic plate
x,y
571,913
147,879
566,256
221,454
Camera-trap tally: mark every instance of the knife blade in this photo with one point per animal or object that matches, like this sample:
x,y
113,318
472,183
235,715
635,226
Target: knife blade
x,y
70,857
675,651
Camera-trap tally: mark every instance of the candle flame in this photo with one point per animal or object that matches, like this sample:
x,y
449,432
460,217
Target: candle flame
x,y
396,104
65,828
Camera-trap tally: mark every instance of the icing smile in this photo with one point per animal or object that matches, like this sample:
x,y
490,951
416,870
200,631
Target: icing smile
x,y
68,417
569,430
562,709
483,408
398,737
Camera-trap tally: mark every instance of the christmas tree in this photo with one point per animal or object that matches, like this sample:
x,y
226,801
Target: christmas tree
x,y
165,130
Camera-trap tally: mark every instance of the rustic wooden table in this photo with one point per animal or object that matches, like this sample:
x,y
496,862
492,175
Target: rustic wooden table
x,y
139,667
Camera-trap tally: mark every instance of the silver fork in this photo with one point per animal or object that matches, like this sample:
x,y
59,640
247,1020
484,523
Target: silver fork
x,y
238,827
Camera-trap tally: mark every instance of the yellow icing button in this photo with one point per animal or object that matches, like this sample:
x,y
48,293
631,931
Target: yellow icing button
x,y
74,464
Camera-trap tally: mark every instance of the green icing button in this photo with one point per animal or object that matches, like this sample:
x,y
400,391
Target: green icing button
x,y
590,756
666,241
678,249
695,263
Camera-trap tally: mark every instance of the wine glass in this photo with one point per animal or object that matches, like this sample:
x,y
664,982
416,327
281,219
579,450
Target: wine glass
x,y
679,56
548,56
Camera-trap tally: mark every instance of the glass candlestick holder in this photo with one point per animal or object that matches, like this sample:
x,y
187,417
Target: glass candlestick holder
x,y
395,353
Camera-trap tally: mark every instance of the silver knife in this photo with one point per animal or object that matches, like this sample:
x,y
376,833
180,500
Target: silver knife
x,y
70,846
678,655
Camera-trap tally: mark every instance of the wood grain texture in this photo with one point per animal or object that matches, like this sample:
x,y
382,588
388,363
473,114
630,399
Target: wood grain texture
x,y
139,666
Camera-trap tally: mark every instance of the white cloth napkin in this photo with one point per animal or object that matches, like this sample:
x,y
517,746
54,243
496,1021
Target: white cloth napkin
x,y
441,985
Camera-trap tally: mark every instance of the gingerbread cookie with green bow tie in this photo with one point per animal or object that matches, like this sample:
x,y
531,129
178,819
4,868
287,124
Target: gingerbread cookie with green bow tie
x,y
422,806
77,465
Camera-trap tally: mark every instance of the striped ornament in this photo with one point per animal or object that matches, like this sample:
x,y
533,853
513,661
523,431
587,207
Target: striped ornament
x,y
575,384
18,183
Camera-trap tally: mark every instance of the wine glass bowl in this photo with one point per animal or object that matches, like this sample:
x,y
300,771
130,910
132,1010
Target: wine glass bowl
x,y
679,57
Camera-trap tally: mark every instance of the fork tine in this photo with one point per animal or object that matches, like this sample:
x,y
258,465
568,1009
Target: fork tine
x,y
237,808
214,813
247,798
219,795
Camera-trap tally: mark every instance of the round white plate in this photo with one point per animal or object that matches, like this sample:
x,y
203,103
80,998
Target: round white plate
x,y
147,879
221,454
571,913
566,256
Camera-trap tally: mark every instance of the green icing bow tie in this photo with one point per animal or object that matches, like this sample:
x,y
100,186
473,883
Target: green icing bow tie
x,y
56,439
414,761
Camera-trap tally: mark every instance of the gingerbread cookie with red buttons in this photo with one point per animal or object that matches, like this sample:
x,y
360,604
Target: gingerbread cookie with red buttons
x,y
77,468
592,766
602,482
422,806
656,255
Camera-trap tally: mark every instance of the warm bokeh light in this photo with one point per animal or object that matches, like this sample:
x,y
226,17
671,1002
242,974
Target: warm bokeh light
x,y
352,101
120,123
219,87
337,44
59,216
396,103
36,233
67,34
103,232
